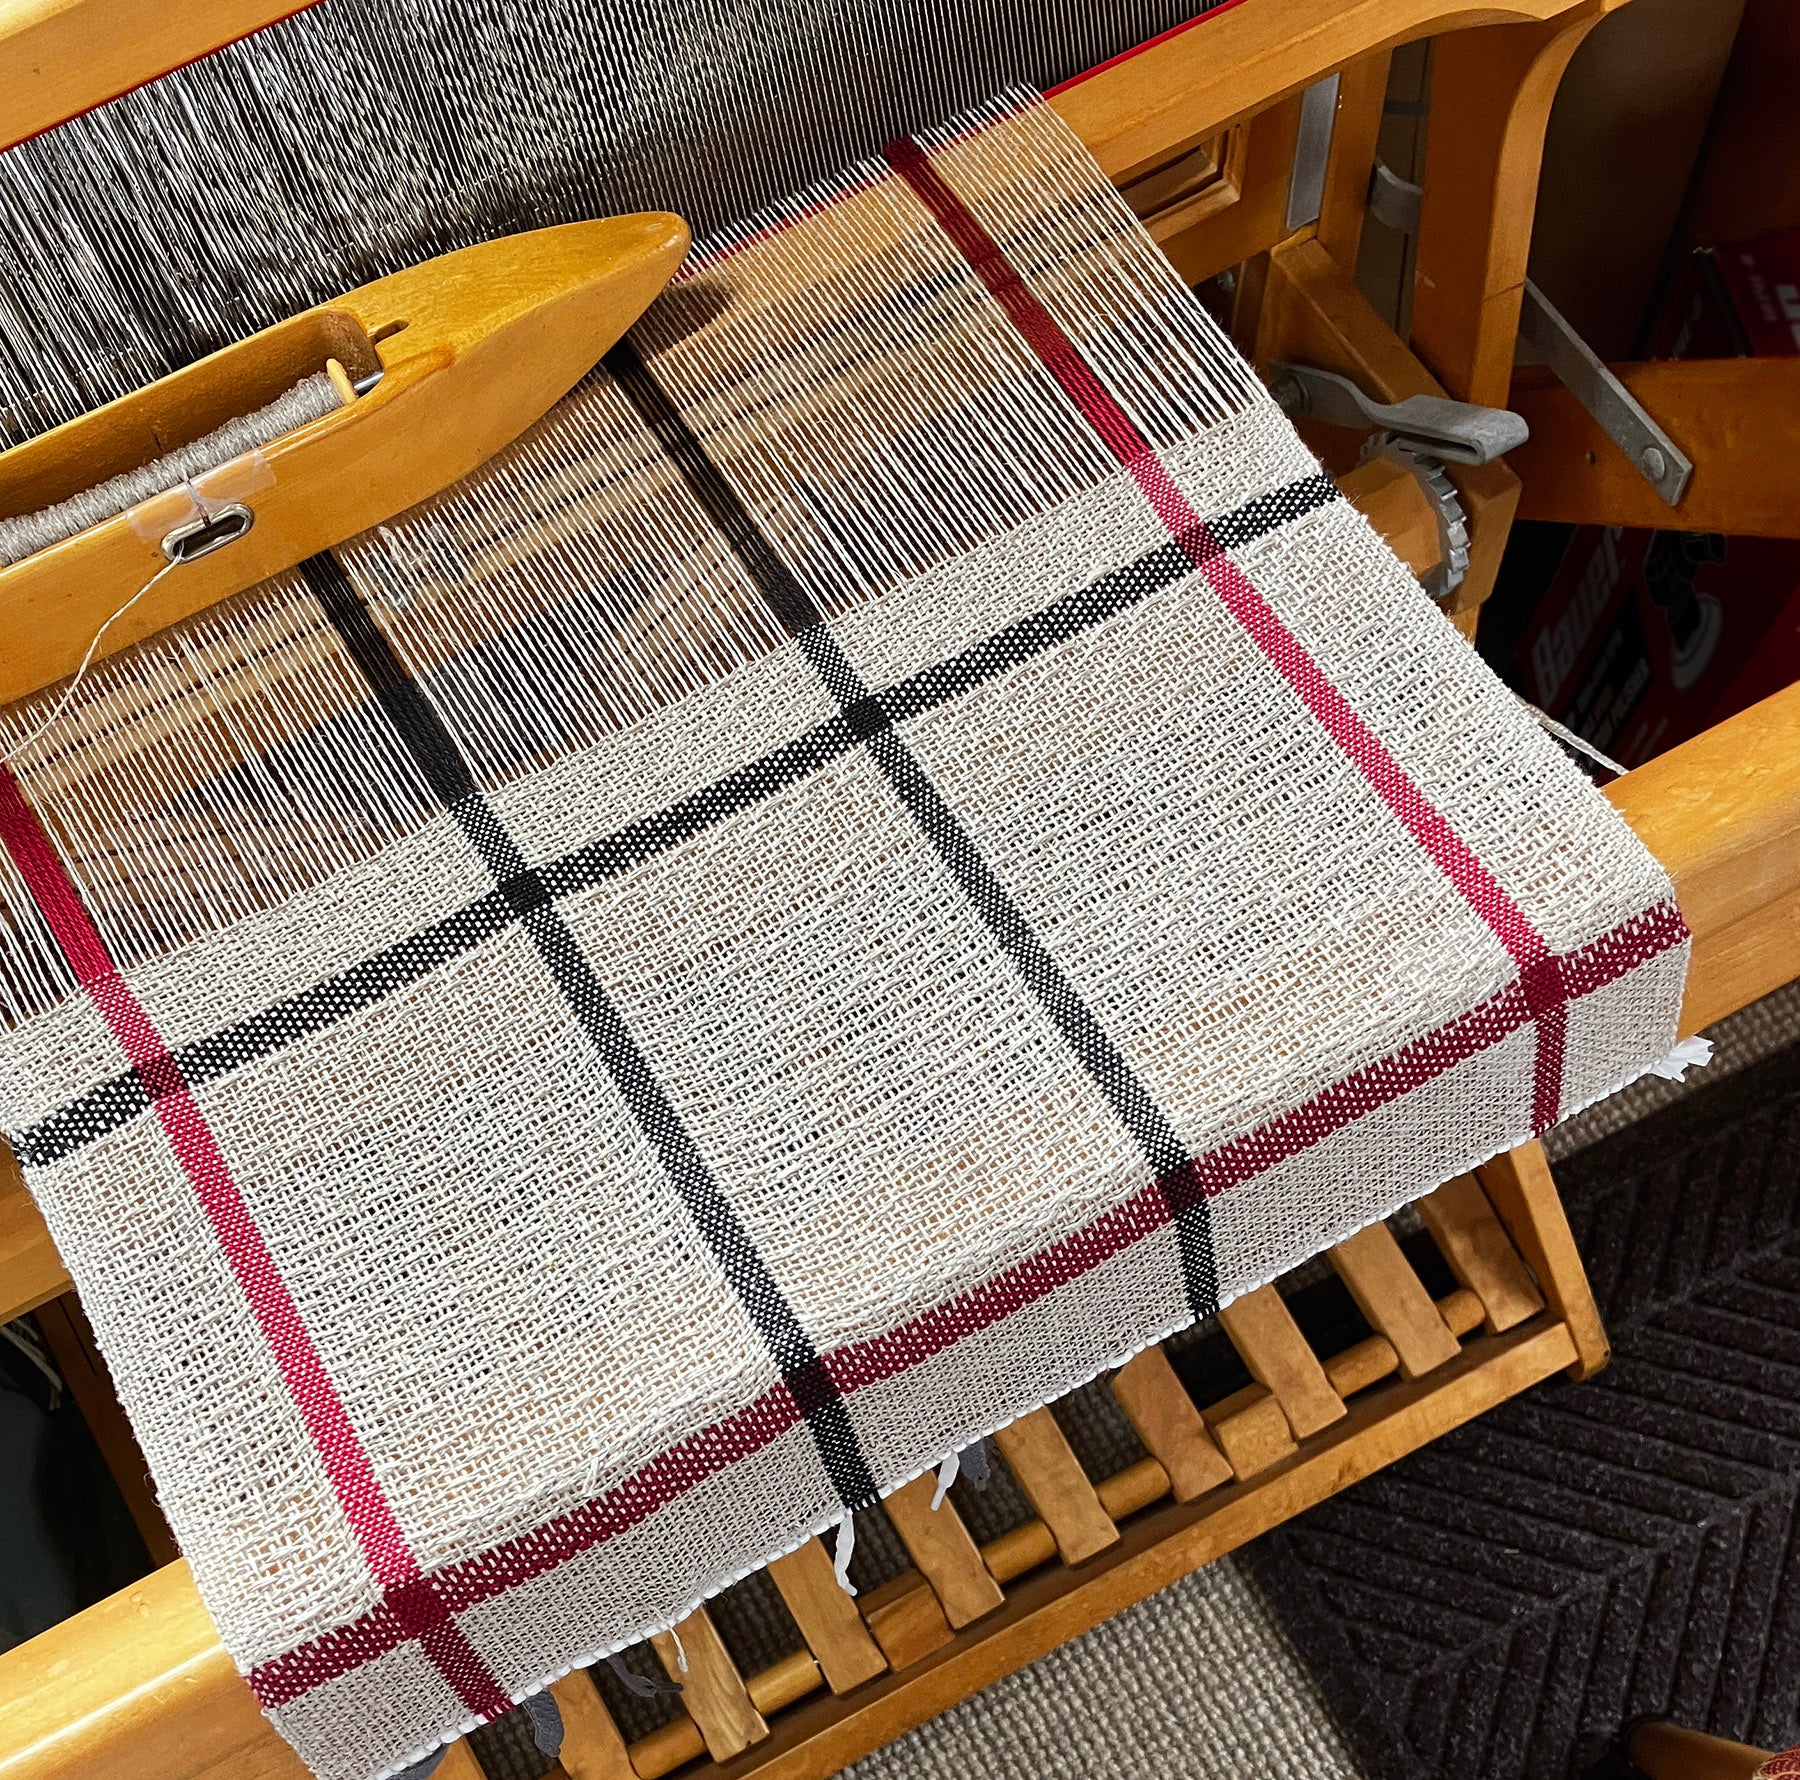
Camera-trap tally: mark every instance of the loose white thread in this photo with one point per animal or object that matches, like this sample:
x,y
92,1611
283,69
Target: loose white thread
x,y
680,1649
846,1543
1691,1053
1567,736
946,1476
62,704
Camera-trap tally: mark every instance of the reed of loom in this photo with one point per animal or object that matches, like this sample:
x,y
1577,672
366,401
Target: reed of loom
x,y
1198,130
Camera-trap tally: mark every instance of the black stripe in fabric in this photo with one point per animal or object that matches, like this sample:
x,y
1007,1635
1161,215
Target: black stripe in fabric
x,y
1269,512
1105,1064
115,1102
529,899
787,599
286,1022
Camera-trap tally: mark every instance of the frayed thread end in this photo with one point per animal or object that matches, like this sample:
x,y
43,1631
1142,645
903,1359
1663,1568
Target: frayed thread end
x,y
1691,1053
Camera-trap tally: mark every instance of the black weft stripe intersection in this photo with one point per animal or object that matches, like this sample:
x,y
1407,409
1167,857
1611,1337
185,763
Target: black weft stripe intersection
x,y
1131,1103
530,899
116,1102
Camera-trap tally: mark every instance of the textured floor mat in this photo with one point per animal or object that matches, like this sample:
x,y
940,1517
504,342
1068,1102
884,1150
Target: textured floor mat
x,y
1499,1604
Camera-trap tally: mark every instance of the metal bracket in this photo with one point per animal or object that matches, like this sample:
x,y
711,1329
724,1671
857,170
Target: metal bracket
x,y
1312,152
1618,413
1457,432
1393,200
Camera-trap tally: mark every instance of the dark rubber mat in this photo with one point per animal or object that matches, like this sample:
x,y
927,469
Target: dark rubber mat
x,y
1503,1602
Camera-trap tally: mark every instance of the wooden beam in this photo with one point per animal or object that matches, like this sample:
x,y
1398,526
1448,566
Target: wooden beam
x,y
1737,418
62,57
59,58
1722,812
1146,108
138,1685
31,1271
1490,100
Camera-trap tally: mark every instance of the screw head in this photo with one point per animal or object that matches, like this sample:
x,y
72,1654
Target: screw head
x,y
1653,463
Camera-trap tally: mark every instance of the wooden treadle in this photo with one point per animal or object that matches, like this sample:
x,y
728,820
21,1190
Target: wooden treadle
x,y
1219,1472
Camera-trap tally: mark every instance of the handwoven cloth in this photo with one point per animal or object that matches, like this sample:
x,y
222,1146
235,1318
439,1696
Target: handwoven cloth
x,y
902,845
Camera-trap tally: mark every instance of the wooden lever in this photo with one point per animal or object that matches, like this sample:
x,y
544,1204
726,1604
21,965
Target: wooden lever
x,y
472,348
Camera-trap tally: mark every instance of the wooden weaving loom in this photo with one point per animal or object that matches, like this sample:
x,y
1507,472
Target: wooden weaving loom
x,y
1214,135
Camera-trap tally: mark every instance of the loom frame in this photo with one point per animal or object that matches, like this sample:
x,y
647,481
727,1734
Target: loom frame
x,y
1198,127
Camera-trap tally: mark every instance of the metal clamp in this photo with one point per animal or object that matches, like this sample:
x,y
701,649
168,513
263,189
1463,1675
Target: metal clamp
x,y
1456,432
1618,413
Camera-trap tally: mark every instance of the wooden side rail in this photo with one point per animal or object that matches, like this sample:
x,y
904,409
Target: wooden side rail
x,y
1737,418
1722,812
59,58
139,1684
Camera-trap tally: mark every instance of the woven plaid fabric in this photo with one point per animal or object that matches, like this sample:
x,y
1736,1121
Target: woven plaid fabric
x,y
902,845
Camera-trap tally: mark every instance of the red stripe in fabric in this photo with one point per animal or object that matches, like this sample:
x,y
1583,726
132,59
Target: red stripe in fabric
x,y
1628,945
665,1479
1380,770
672,1474
384,1545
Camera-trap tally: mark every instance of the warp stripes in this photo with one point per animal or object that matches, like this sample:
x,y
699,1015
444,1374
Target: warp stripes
x,y
1131,1102
409,1596
1286,653
529,897
114,1103
669,1476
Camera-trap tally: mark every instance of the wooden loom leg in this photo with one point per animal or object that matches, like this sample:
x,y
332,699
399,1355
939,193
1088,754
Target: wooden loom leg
x,y
592,1747
1522,1191
1362,92
827,1617
712,1689
1491,91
